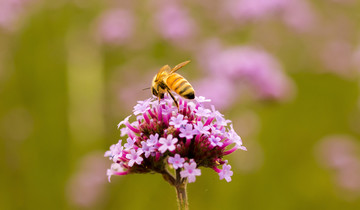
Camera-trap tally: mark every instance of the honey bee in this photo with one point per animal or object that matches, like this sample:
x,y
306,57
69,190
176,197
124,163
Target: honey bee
x,y
166,80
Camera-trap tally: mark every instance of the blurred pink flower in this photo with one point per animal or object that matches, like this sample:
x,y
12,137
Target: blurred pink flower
x,y
337,56
255,65
356,59
115,26
174,23
337,151
253,9
221,92
10,11
297,14
349,178
342,154
87,186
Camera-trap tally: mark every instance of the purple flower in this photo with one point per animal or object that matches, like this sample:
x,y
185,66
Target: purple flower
x,y
174,23
299,15
220,120
202,112
115,169
147,149
116,26
201,99
253,9
190,171
215,141
124,131
11,11
129,144
187,132
142,107
221,91
165,135
178,121
153,139
232,135
115,151
201,129
176,161
226,173
126,120
167,143
262,71
134,157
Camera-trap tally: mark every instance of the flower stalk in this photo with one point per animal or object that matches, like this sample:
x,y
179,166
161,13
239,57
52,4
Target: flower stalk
x,y
182,196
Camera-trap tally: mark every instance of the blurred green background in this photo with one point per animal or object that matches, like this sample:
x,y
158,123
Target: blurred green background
x,y
68,75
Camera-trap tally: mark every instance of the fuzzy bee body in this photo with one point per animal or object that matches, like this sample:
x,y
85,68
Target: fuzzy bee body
x,y
181,86
166,80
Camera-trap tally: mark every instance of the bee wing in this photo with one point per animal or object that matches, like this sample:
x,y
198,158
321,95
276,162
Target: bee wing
x,y
164,70
179,66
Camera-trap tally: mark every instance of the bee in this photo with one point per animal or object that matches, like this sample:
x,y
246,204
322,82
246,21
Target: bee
x,y
166,80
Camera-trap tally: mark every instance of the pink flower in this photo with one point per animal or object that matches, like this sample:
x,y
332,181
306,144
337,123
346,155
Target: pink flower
x,y
176,161
215,141
253,9
115,169
178,121
147,148
226,173
297,14
220,90
340,154
153,139
187,132
340,65
10,12
168,143
174,23
205,132
134,157
116,26
190,171
201,129
248,64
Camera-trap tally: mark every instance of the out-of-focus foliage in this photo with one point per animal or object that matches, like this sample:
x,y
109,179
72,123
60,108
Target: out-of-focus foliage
x,y
286,72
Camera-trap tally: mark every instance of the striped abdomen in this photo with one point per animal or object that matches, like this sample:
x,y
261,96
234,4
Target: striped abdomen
x,y
180,85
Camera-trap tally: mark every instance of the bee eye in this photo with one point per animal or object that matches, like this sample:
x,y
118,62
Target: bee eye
x,y
154,92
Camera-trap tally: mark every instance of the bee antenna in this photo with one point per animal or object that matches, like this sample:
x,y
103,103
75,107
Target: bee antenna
x,y
146,88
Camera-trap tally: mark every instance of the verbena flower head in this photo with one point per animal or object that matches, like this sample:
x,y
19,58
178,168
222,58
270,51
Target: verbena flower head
x,y
11,11
185,139
258,67
174,23
116,26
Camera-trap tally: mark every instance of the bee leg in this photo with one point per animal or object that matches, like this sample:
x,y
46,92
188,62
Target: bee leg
x,y
172,96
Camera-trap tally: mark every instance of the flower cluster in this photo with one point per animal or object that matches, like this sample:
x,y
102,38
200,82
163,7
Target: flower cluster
x,y
174,23
11,11
296,14
183,138
253,66
116,26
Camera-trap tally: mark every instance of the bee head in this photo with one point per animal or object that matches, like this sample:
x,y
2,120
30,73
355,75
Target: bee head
x,y
154,92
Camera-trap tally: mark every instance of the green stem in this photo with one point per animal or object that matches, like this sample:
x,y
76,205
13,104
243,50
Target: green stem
x,y
180,186
182,197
